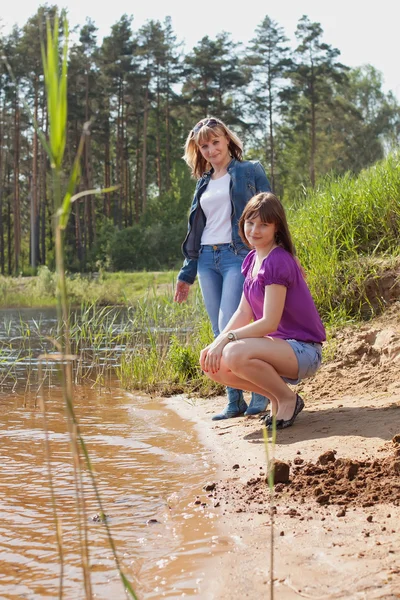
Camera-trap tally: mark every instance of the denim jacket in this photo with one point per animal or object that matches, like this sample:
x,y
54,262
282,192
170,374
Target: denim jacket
x,y
247,179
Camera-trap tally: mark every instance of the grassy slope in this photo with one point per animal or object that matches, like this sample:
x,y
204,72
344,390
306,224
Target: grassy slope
x,y
347,233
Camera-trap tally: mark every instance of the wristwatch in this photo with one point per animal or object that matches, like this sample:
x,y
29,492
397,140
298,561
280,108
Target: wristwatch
x,y
232,337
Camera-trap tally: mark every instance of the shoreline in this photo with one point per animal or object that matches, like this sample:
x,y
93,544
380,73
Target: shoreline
x,y
317,553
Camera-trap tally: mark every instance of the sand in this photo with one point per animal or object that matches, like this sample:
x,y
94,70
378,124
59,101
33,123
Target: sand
x,y
336,519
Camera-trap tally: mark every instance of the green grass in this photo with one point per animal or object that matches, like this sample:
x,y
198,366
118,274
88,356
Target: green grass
x,y
168,363
347,234
103,288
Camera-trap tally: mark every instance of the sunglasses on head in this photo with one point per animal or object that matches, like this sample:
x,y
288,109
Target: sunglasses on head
x,y
205,123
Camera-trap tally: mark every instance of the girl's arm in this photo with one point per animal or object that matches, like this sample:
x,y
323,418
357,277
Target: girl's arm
x,y
274,302
241,317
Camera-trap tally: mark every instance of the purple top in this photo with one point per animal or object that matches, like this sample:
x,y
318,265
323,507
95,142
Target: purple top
x,y
300,319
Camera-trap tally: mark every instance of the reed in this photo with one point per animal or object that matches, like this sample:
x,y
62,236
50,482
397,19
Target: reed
x,y
55,75
269,445
164,356
154,345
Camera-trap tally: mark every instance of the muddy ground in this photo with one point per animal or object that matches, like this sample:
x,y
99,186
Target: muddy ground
x,y
336,512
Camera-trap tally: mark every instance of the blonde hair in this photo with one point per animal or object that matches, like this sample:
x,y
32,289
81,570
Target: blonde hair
x,y
203,131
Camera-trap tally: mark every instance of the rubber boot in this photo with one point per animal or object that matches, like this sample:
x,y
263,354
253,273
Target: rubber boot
x,y
257,404
236,405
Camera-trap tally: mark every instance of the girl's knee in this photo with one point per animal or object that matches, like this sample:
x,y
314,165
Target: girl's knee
x,y
233,356
215,376
221,375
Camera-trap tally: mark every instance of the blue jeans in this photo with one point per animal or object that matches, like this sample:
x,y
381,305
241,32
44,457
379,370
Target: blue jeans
x,y
221,284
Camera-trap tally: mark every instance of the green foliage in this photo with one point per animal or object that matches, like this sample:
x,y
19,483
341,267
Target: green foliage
x,y
270,61
152,248
213,76
183,360
183,356
128,250
341,229
165,353
45,282
100,253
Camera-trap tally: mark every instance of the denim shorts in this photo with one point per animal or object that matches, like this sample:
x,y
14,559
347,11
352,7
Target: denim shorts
x,y
309,358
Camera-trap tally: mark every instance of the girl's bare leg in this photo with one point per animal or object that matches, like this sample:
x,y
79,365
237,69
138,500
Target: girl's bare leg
x,y
224,375
258,364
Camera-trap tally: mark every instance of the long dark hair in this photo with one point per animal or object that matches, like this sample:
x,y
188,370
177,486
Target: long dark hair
x,y
270,210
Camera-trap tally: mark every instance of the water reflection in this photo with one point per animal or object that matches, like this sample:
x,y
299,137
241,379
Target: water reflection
x,y
149,467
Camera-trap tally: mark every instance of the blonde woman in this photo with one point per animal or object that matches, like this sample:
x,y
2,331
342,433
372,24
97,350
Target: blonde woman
x,y
213,248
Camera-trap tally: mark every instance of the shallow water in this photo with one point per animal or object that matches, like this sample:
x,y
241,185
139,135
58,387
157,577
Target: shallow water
x,y
28,334
150,466
98,338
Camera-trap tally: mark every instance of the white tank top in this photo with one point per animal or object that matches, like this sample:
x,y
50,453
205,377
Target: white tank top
x,y
216,204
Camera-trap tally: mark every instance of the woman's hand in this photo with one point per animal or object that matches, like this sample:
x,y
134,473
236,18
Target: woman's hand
x,y
210,356
181,291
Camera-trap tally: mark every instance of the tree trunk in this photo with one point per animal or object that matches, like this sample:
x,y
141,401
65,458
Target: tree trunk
x,y
124,163
34,187
107,170
78,235
137,175
2,186
17,208
128,211
9,255
43,204
167,140
144,150
1,230
90,200
271,133
129,184
158,141
85,232
119,162
313,130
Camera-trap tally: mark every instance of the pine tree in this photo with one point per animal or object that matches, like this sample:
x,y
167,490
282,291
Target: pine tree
x,y
214,79
269,60
315,72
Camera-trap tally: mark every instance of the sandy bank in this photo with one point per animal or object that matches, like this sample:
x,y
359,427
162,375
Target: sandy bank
x,y
347,546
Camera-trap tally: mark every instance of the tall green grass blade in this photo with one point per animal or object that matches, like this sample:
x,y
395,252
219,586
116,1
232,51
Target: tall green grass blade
x,y
270,457
56,94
